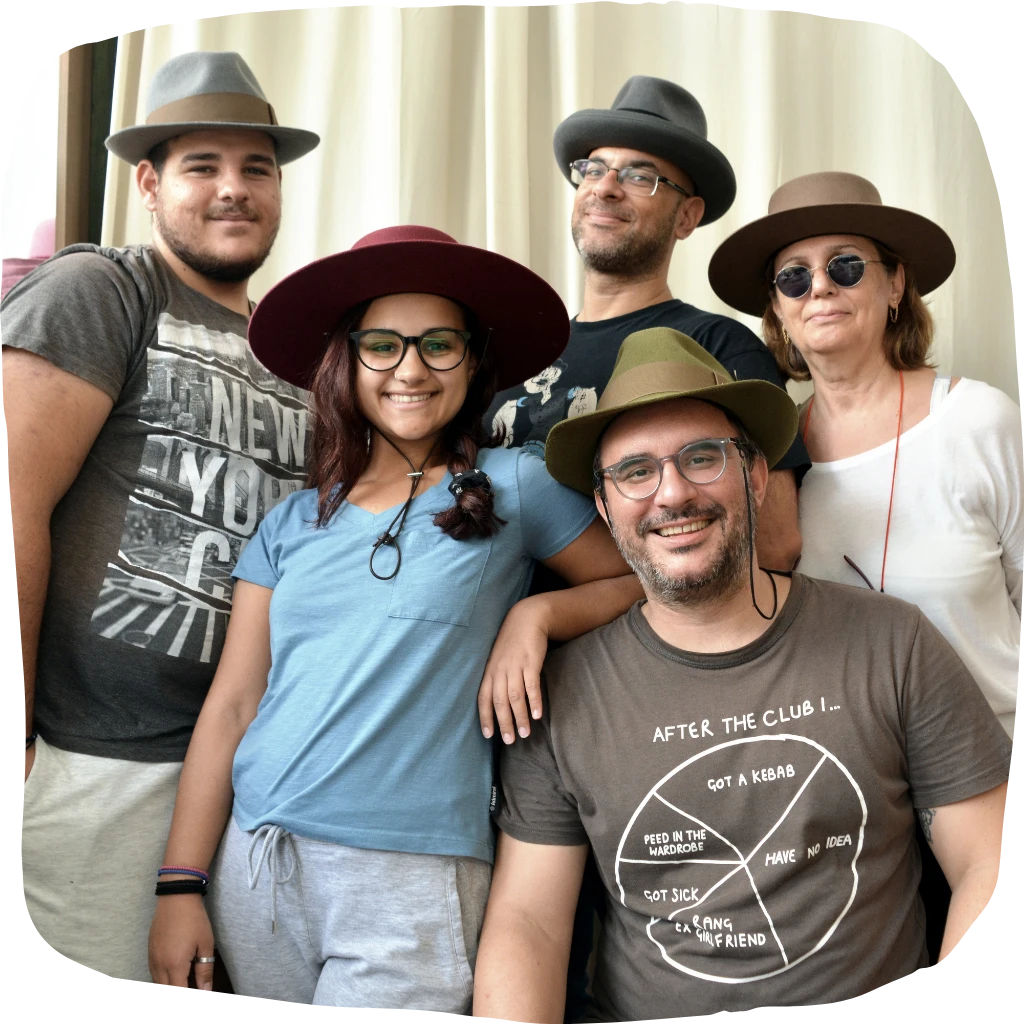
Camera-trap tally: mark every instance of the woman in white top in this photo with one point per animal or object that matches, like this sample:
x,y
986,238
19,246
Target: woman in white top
x,y
916,482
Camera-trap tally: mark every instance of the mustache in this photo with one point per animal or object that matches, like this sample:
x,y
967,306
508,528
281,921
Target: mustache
x,y
693,510
232,209
600,207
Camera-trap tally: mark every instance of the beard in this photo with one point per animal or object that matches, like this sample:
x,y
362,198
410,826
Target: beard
x,y
208,264
722,577
635,254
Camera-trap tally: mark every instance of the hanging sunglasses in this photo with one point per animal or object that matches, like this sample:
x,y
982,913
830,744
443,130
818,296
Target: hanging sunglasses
x,y
845,270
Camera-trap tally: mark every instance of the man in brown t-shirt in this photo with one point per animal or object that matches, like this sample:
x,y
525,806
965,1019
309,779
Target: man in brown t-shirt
x,y
744,751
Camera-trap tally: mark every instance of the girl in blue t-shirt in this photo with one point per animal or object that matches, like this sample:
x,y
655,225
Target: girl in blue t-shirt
x,y
338,784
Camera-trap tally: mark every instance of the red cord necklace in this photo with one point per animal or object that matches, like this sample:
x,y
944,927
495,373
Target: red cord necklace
x,y
892,485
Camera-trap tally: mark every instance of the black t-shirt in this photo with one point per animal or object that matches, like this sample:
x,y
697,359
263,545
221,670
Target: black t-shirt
x,y
573,383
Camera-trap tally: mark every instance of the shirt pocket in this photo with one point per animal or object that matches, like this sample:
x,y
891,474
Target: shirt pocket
x,y
440,577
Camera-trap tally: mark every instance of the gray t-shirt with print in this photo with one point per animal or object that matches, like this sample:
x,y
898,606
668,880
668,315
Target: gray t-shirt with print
x,y
752,812
201,442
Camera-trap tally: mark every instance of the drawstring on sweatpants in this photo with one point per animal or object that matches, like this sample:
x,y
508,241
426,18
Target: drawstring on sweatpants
x,y
274,839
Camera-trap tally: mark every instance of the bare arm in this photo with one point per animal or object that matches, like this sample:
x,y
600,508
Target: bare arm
x,y
603,588
181,929
53,418
778,539
524,947
965,838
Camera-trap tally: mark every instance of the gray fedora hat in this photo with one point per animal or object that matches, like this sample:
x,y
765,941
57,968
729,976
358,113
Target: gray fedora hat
x,y
206,90
660,118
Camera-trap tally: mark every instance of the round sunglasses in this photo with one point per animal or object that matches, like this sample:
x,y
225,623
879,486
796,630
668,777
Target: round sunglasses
x,y
845,270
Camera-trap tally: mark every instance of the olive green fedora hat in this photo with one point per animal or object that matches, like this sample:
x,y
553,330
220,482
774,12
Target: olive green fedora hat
x,y
657,365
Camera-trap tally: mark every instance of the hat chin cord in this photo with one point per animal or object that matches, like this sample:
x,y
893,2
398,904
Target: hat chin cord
x,y
750,554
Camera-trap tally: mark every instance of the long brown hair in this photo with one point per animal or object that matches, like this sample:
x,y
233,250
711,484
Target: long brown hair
x,y
339,450
905,342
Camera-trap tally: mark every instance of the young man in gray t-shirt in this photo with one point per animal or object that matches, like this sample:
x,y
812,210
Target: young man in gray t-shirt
x,y
146,443
744,751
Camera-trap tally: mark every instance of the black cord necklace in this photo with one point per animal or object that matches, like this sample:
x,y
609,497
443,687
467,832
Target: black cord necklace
x,y
387,538
750,556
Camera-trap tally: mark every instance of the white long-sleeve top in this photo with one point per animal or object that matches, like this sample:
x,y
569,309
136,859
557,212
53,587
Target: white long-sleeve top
x,y
957,535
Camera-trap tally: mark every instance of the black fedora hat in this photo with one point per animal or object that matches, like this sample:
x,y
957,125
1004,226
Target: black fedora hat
x,y
528,324
660,118
201,91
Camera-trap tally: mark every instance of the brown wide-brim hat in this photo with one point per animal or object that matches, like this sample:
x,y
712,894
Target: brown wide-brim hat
x,y
528,324
827,203
661,118
657,365
203,91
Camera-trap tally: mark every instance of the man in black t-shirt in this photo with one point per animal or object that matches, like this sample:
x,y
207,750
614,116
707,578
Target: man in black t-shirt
x,y
667,180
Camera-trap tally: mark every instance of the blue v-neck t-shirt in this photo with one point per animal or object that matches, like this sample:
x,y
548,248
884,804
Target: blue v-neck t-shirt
x,y
368,734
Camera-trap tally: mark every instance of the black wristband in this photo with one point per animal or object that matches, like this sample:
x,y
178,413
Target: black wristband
x,y
29,740
182,887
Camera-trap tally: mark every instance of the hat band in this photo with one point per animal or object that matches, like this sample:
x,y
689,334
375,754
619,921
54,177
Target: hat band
x,y
656,379
236,107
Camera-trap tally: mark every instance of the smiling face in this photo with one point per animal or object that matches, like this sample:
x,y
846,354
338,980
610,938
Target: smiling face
x,y
216,201
412,402
829,320
626,235
687,543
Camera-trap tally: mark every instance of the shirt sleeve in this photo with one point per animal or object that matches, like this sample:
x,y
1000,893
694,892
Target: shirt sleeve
x,y
956,747
81,311
552,515
536,808
258,560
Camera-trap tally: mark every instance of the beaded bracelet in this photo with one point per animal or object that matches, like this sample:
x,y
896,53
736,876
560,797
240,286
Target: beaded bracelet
x,y
29,740
170,869
179,888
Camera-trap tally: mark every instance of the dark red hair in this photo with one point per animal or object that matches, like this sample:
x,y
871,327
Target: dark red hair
x,y
339,451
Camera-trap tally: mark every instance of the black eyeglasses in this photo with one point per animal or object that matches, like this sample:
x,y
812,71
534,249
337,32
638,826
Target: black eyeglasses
x,y
640,181
701,462
845,270
440,348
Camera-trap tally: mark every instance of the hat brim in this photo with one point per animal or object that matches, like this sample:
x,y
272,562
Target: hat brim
x,y
766,411
133,144
586,130
528,322
737,270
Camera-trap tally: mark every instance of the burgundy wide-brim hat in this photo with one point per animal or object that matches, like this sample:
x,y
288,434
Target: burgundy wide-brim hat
x,y
827,203
528,323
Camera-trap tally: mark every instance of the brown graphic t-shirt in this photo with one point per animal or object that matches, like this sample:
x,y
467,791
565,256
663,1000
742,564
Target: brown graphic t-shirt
x,y
752,812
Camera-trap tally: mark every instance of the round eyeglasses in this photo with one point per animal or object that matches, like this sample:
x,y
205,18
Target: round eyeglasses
x,y
845,270
701,462
440,348
639,181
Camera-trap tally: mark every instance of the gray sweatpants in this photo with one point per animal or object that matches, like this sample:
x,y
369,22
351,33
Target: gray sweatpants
x,y
315,922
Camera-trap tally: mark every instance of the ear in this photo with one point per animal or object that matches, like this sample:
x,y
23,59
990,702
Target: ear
x,y
897,285
148,183
758,474
688,216
602,507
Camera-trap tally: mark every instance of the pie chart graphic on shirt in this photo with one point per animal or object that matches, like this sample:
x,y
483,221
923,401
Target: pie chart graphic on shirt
x,y
745,857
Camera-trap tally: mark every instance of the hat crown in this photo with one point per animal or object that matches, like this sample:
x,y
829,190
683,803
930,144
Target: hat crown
x,y
826,188
198,74
677,362
657,97
403,233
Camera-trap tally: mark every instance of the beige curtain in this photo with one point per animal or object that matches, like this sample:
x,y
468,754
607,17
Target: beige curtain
x,y
443,116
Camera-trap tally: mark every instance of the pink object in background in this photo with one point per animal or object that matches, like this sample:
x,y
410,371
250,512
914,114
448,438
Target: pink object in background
x,y
40,249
